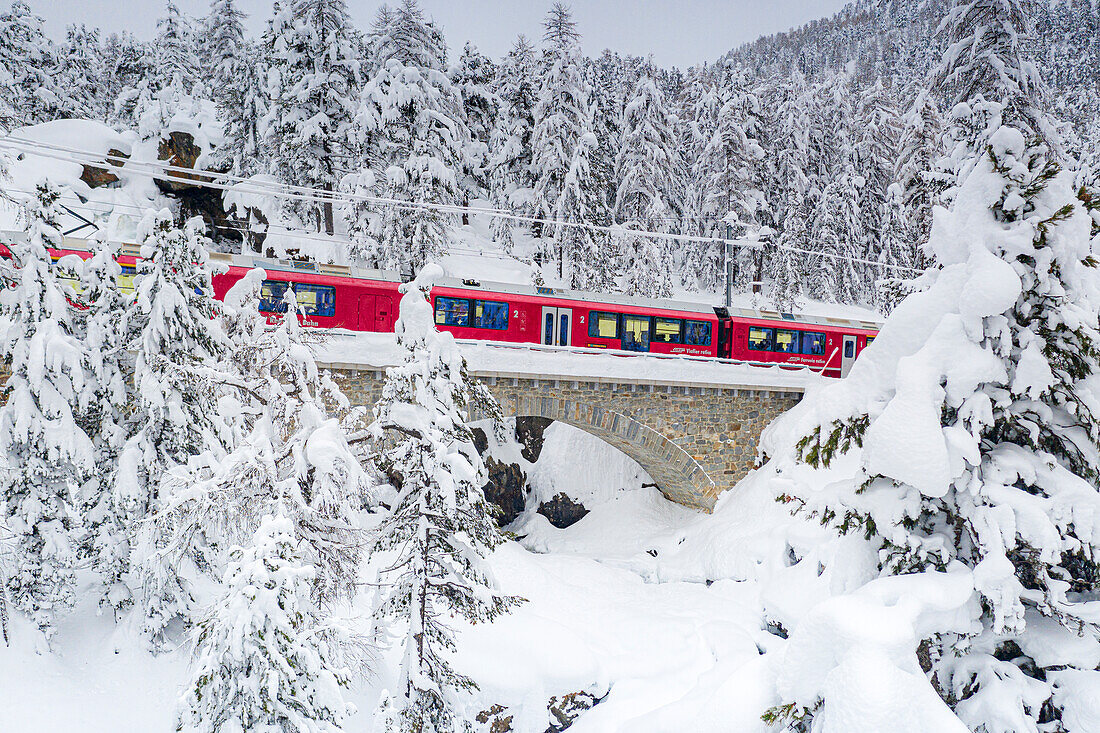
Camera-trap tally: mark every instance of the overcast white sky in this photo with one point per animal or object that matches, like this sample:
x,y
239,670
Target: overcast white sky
x,y
676,32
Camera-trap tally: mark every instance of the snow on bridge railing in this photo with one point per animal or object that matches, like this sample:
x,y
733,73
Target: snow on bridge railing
x,y
344,349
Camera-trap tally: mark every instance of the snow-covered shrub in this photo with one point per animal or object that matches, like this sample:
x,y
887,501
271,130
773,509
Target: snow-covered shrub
x,y
440,528
258,664
45,454
975,416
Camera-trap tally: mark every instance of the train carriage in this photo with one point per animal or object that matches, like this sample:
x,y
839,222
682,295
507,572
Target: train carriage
x,y
357,299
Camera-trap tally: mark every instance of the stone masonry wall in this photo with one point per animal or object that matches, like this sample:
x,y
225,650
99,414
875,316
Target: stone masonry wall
x,y
695,441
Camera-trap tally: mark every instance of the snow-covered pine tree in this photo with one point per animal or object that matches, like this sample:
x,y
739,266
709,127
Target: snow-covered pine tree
x,y
979,438
411,126
128,66
81,75
510,154
176,340
989,79
730,169
174,50
258,666
440,528
649,191
790,189
27,63
915,170
474,77
289,455
562,117
314,81
238,87
103,417
46,455
877,134
836,223
585,257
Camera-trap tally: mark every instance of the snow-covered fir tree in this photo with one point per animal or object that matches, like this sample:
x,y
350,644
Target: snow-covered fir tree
x,y
314,80
876,150
174,50
510,154
175,339
562,115
103,417
915,170
474,76
47,457
257,664
730,169
983,378
440,529
238,87
27,63
415,142
585,258
792,190
81,75
288,456
649,190
989,78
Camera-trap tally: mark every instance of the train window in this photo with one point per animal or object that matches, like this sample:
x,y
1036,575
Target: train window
x,y
849,349
635,332
870,340
126,279
489,314
667,330
452,312
313,300
316,300
787,342
697,333
761,339
813,343
603,325
271,296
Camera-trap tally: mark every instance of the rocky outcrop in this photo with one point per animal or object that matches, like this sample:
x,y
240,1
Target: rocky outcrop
x,y
562,511
565,710
506,489
529,434
495,720
561,712
179,150
97,177
507,485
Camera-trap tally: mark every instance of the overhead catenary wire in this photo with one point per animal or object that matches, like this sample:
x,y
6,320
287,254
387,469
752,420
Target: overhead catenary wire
x,y
251,186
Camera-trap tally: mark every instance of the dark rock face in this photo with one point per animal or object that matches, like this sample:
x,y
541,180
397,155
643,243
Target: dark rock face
x,y
565,710
96,177
179,150
507,483
496,719
529,432
562,511
505,489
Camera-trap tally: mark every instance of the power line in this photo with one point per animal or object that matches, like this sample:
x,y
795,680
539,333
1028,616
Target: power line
x,y
248,186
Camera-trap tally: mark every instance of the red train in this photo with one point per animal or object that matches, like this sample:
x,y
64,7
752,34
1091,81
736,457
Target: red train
x,y
336,296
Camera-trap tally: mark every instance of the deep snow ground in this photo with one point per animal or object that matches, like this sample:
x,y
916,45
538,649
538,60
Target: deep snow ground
x,y
617,604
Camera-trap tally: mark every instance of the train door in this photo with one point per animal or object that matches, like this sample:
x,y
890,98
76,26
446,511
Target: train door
x,y
847,355
366,312
557,324
382,313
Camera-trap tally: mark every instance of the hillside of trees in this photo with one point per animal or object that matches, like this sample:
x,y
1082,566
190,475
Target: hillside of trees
x,y
825,138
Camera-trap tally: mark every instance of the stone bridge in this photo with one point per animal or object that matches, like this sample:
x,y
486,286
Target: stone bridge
x,y
696,439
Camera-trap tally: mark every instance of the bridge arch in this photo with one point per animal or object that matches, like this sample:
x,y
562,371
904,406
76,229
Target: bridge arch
x,y
678,475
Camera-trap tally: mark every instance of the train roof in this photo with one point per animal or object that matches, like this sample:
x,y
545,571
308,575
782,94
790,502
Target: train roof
x,y
303,266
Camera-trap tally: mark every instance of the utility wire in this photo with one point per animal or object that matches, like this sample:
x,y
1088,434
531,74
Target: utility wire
x,y
249,186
